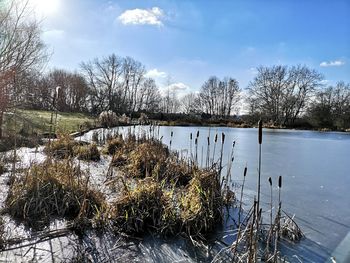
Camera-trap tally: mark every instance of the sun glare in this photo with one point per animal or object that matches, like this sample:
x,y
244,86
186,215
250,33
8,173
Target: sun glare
x,y
45,7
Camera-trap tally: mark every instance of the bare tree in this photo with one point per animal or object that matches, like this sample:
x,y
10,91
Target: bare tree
x,y
190,103
114,83
103,77
73,90
21,48
148,98
219,97
281,94
331,107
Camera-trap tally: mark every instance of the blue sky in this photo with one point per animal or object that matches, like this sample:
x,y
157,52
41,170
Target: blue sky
x,y
188,41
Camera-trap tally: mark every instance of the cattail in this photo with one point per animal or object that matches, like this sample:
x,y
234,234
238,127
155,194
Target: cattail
x,y
280,181
223,138
233,144
260,132
270,181
216,138
197,134
240,202
171,134
196,141
191,136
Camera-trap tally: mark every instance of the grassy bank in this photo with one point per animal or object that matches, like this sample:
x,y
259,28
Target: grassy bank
x,y
38,121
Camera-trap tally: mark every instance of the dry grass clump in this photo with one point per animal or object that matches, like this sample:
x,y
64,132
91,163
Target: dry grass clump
x,y
201,203
114,144
52,190
119,159
87,152
63,147
148,158
139,209
177,172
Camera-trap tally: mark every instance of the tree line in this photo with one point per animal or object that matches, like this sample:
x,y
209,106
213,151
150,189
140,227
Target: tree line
x,y
278,94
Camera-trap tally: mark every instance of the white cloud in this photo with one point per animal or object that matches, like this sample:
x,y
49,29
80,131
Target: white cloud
x,y
155,73
138,16
181,87
178,88
335,63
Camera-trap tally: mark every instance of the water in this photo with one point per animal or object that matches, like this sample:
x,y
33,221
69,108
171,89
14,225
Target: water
x,y
315,169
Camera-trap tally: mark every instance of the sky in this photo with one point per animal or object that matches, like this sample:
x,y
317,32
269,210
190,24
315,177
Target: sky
x,y
183,43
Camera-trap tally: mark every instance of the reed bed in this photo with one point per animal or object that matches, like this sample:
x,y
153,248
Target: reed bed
x,y
161,192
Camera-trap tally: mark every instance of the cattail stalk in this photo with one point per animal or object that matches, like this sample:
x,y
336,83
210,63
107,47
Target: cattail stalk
x,y
191,155
215,141
259,171
270,182
207,162
171,138
196,147
240,202
222,151
231,158
278,217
